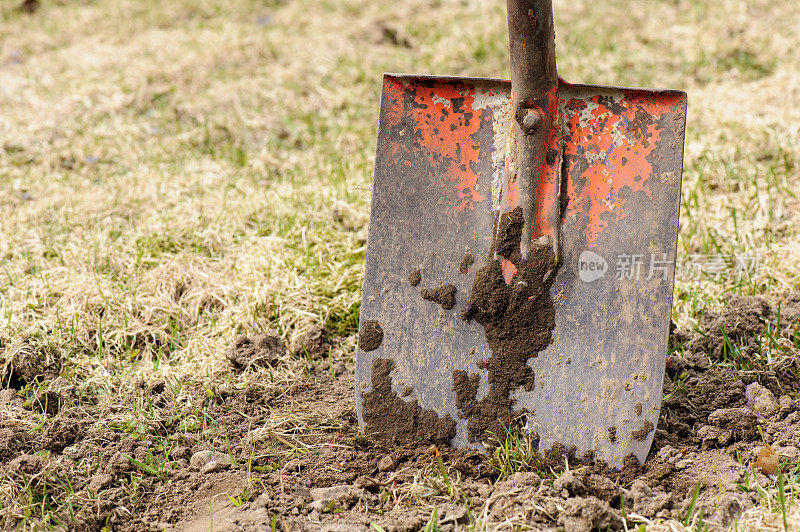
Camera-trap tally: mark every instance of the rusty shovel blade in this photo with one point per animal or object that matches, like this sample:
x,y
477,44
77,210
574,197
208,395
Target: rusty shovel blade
x,y
440,166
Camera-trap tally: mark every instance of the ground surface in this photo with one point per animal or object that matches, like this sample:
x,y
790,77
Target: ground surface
x,y
179,179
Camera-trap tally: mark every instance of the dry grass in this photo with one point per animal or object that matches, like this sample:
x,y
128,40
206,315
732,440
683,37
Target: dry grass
x,y
176,174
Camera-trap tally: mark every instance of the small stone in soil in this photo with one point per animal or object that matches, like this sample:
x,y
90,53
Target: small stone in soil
x,y
386,464
213,467
201,458
100,481
344,495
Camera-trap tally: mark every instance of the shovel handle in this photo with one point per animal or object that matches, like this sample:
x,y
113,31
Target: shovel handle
x,y
534,90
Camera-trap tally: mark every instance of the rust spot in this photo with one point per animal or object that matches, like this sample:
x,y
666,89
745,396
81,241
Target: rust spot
x,y
445,125
608,149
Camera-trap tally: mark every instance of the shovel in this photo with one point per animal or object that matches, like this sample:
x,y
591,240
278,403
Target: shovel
x,y
520,257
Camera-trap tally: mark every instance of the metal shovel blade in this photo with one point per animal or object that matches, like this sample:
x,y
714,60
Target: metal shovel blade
x,y
440,164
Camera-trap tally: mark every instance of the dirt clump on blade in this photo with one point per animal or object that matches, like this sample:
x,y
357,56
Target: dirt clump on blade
x,y
316,343
445,295
262,350
466,261
392,419
517,318
370,337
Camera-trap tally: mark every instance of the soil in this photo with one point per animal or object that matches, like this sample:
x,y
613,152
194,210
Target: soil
x,y
394,420
370,337
315,343
27,363
517,318
263,350
415,277
445,295
467,261
321,472
644,432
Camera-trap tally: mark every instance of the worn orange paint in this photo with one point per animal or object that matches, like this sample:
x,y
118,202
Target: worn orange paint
x,y
444,124
617,144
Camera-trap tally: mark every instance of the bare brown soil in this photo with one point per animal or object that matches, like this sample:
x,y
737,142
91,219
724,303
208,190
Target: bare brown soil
x,y
248,475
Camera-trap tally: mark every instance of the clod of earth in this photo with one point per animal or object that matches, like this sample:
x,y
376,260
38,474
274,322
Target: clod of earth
x,y
315,342
387,463
262,350
335,497
26,363
445,295
370,337
60,433
467,261
761,400
391,418
518,320
642,433
100,481
415,277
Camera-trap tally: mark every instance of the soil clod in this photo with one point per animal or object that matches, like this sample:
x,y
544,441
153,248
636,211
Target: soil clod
x,y
262,350
370,337
415,277
315,343
445,295
59,434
